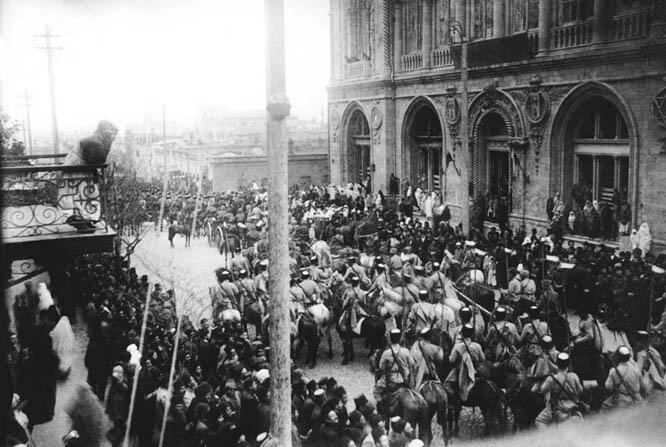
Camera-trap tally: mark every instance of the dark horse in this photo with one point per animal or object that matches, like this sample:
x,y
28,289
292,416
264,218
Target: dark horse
x,y
185,230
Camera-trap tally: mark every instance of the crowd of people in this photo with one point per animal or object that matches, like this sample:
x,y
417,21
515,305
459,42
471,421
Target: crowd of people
x,y
457,309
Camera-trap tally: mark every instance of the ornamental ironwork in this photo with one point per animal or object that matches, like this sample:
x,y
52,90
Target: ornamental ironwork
x,y
39,200
659,108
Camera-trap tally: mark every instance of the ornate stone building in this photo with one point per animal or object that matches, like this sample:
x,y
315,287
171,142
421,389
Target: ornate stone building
x,y
563,96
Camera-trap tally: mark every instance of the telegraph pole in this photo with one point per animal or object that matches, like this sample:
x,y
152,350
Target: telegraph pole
x,y
165,185
27,126
277,106
49,54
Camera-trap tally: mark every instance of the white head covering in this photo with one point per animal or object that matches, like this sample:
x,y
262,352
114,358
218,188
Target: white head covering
x,y
45,298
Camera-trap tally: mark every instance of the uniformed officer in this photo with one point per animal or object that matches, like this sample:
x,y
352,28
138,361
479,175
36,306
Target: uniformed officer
x,y
248,301
395,369
261,280
562,390
353,299
502,337
310,288
623,382
226,294
650,364
354,269
422,315
546,363
462,348
298,297
428,357
419,279
530,339
436,281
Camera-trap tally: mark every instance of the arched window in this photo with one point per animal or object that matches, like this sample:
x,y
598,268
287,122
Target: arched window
x,y
482,15
412,26
357,30
524,15
570,11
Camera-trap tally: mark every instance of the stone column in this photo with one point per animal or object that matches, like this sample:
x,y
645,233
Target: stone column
x,y
426,47
397,38
600,30
499,20
386,37
545,24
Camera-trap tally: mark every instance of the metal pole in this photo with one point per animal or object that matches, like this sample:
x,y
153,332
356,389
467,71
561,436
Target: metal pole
x,y
172,372
137,368
165,173
277,106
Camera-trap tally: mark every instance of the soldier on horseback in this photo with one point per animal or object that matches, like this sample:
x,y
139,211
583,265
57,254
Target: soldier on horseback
x,y
421,316
354,269
395,366
624,382
248,302
352,310
427,358
467,357
531,336
562,390
310,288
225,295
502,337
546,363
650,364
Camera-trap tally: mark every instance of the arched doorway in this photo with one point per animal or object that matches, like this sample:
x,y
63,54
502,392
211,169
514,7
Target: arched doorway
x,y
424,148
495,179
358,148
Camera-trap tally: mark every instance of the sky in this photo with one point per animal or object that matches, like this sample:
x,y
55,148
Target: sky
x,y
123,59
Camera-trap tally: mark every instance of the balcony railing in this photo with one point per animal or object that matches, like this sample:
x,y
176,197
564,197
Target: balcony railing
x,y
441,57
630,26
412,61
572,35
40,200
358,69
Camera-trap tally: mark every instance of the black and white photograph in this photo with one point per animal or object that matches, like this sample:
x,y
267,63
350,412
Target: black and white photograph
x,y
333,223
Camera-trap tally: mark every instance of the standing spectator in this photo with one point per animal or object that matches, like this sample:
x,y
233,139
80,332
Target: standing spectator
x,y
117,404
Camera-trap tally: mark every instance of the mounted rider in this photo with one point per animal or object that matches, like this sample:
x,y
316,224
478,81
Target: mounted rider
x,y
428,358
354,269
225,294
435,283
261,280
248,294
546,363
562,390
624,382
530,339
502,337
650,364
421,316
353,299
395,372
310,288
468,358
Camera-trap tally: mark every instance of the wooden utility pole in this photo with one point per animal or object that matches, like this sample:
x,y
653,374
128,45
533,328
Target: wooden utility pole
x,y
49,54
27,126
464,130
277,106
165,184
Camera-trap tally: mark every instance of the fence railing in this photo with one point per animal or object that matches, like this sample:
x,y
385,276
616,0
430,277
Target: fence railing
x,y
630,26
52,199
412,61
441,57
572,35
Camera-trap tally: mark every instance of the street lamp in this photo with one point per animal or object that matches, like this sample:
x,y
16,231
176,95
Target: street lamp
x,y
456,27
